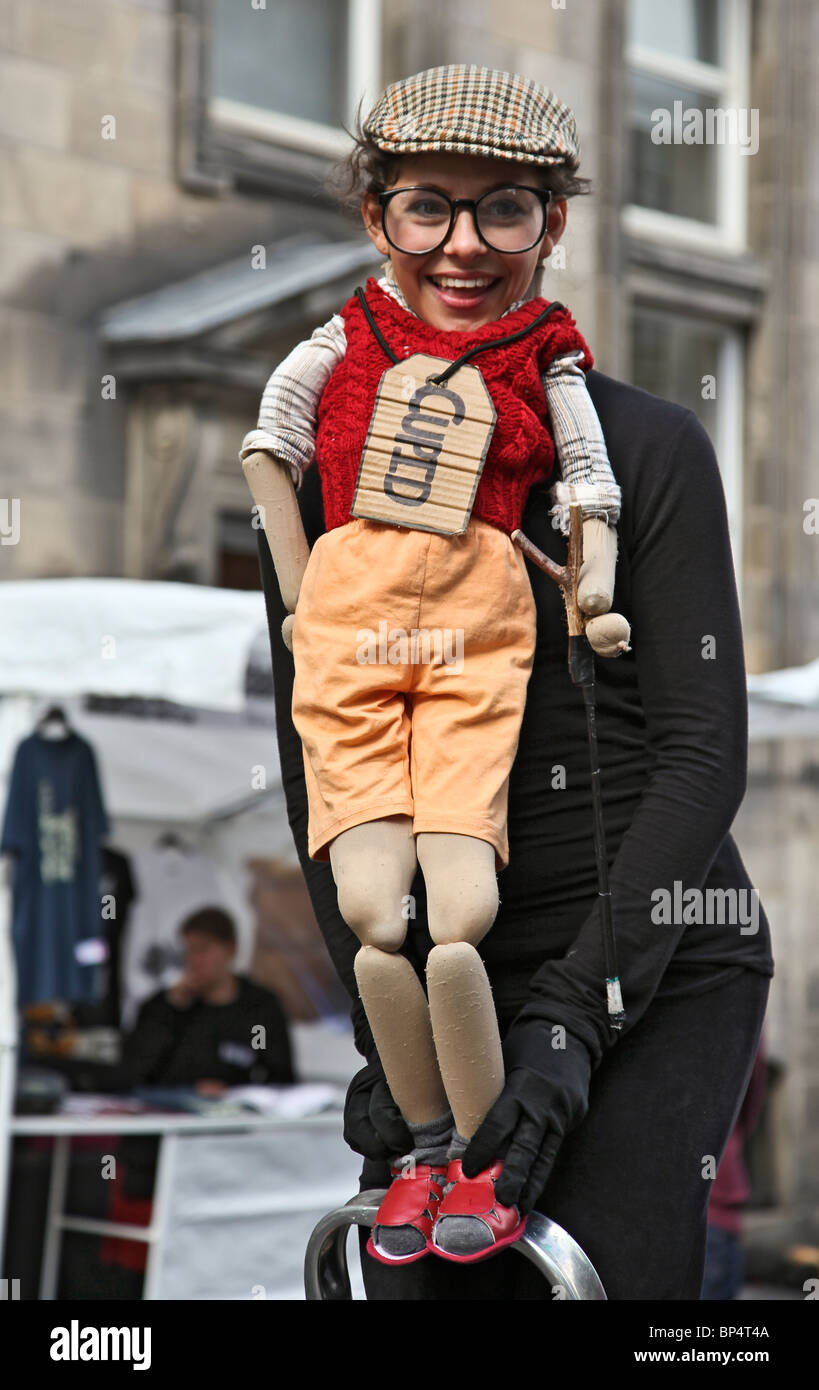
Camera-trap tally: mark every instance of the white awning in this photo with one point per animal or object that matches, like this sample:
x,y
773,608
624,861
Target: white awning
x,y
188,643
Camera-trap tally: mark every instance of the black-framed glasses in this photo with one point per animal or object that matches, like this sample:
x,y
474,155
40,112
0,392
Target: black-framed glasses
x,y
418,219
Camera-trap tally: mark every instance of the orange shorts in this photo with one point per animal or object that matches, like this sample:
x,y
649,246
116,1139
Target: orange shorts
x,y
412,655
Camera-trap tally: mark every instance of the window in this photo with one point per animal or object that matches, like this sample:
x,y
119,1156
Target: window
x,y
294,70
266,85
699,364
691,130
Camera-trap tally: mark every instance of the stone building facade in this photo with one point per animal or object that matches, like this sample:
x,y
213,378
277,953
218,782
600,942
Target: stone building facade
x,y
166,240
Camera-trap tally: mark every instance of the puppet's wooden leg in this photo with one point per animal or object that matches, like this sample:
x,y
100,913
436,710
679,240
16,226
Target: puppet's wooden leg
x,y
462,896
462,902
374,865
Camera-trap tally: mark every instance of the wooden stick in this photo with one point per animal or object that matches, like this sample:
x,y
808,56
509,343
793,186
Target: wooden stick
x,y
576,620
568,575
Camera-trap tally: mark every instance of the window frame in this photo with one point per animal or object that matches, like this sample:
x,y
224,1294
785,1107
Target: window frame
x,y
224,144
729,436
729,83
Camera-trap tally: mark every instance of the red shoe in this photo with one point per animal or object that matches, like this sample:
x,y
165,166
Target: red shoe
x,y
476,1197
412,1199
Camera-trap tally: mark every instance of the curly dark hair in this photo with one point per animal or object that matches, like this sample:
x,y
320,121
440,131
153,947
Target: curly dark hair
x,y
368,169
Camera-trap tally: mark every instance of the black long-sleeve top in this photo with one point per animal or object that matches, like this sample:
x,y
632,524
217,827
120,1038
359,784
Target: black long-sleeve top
x,y
672,730
174,1046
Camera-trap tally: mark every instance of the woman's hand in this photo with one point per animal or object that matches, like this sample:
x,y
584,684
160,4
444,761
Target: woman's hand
x,y
546,1095
373,1124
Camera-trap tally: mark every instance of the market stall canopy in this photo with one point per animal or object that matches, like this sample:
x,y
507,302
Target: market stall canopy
x,y
187,643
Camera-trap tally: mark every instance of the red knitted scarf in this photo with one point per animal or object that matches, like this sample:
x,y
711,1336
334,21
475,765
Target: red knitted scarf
x,y
521,451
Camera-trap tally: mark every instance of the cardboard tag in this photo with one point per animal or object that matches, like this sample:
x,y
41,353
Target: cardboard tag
x,y
425,447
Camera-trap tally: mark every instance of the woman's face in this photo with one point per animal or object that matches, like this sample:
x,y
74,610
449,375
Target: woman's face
x,y
464,255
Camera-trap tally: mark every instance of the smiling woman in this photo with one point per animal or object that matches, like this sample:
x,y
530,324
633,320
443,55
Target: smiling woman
x,y
420,520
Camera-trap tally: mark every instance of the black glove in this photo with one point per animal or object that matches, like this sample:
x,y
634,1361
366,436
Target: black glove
x,y
545,1096
373,1124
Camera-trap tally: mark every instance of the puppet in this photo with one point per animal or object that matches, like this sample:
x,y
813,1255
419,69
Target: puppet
x,y
431,403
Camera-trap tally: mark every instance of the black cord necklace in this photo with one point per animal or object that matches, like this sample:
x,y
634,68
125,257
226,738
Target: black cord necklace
x,y
466,356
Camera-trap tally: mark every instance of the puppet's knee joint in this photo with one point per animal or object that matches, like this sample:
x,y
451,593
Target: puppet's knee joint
x,y
448,961
371,921
368,967
466,918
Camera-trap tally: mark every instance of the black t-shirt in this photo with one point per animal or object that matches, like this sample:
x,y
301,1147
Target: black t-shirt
x,y
672,726
171,1046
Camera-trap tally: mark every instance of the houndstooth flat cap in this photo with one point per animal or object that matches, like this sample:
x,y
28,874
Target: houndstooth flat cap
x,y
475,110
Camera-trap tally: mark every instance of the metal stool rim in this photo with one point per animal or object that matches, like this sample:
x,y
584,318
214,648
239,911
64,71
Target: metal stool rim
x,y
549,1247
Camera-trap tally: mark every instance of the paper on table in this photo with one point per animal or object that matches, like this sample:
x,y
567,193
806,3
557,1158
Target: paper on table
x,y
287,1102
94,1103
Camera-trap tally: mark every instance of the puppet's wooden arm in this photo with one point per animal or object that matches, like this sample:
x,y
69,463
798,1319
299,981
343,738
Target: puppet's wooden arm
x,y
595,589
273,492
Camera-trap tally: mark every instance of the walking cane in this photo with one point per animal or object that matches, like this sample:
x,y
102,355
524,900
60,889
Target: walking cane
x,y
581,670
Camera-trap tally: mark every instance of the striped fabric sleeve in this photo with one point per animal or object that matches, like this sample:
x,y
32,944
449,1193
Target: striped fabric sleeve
x,y
580,446
288,412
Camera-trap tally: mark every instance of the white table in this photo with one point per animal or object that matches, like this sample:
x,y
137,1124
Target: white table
x,y
269,1179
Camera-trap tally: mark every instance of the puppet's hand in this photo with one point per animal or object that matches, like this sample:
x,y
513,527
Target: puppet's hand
x,y
545,1096
373,1124
608,635
287,631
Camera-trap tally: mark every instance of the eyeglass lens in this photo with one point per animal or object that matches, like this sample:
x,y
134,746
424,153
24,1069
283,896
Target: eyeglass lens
x,y
509,219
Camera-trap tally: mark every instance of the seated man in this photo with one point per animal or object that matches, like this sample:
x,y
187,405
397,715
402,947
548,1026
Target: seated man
x,y
213,1028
